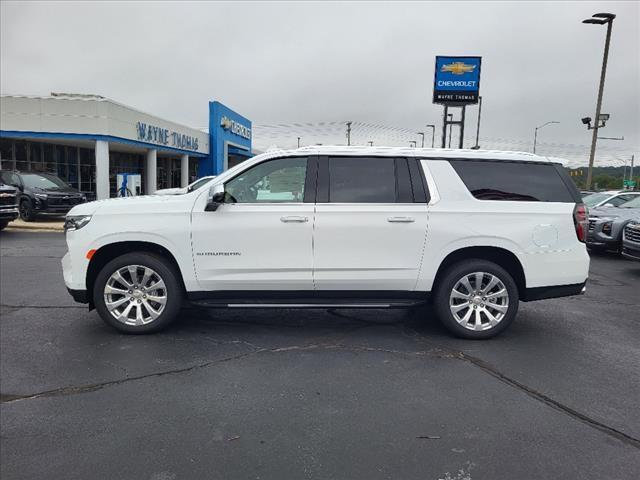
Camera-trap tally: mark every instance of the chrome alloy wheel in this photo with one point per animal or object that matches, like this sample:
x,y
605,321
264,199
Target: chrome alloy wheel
x,y
479,301
135,295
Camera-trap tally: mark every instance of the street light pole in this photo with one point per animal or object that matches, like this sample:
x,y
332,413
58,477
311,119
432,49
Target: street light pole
x,y
599,19
298,142
433,134
535,134
422,135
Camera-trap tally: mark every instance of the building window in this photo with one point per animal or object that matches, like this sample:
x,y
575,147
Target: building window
x,y
193,169
22,157
59,162
35,159
7,161
74,171
87,170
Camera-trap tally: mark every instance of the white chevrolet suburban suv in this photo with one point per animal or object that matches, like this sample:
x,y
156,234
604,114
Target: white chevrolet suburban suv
x,y
473,232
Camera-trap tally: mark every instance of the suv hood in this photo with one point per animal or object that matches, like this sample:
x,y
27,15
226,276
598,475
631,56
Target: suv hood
x,y
139,204
60,191
613,213
7,188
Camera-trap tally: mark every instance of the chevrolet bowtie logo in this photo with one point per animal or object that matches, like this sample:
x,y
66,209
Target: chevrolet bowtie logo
x,y
225,123
458,68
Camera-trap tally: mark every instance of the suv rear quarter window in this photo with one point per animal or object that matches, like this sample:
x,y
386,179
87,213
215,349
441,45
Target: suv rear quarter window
x,y
514,181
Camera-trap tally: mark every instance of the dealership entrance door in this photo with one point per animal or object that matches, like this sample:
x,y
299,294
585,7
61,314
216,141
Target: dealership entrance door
x,y
236,155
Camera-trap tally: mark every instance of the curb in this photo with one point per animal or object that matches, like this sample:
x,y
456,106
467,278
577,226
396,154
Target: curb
x,y
43,227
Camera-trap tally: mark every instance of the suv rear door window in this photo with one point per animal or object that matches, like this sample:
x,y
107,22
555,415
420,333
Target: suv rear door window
x,y
362,180
512,181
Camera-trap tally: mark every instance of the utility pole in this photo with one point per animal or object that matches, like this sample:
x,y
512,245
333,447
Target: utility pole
x,y
599,19
631,170
349,133
422,134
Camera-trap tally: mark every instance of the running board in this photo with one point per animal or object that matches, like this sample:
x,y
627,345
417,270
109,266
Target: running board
x,y
307,299
316,304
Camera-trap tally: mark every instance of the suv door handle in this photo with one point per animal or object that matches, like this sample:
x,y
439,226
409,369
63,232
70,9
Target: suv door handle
x,y
401,219
294,218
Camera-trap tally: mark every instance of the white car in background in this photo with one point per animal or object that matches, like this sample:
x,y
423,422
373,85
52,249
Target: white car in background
x,y
611,198
182,190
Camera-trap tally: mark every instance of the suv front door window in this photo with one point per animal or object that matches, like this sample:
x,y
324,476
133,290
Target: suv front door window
x,y
277,181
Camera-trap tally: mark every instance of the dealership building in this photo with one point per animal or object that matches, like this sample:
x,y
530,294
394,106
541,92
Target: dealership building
x,y
87,140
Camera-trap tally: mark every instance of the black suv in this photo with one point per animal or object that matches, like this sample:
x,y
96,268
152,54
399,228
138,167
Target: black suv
x,y
8,204
42,193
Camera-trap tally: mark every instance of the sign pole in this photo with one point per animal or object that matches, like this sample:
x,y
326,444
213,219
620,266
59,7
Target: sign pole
x,y
461,140
445,122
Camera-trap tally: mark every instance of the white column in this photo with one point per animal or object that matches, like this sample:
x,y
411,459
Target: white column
x,y
102,169
184,170
151,172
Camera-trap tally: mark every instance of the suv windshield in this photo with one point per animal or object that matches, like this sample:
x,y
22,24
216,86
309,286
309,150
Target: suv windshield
x,y
635,203
32,180
595,198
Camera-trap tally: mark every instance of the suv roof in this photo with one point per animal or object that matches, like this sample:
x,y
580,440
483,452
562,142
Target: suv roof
x,y
415,152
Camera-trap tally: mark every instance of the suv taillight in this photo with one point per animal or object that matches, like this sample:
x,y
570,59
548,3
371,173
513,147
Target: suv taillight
x,y
581,221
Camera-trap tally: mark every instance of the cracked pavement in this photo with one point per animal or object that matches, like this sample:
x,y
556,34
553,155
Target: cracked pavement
x,y
314,393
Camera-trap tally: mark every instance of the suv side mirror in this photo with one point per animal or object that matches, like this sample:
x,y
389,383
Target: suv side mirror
x,y
216,198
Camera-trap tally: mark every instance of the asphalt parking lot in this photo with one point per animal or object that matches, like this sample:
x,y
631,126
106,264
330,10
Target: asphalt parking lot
x,y
339,394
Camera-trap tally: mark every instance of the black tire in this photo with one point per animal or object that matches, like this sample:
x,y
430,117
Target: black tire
x,y
164,269
445,288
27,213
3,224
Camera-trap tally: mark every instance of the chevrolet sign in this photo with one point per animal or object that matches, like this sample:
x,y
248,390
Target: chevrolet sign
x,y
457,80
235,127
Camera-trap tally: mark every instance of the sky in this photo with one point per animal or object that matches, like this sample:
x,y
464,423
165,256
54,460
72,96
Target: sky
x,y
305,68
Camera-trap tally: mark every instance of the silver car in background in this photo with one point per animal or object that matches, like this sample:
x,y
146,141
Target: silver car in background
x,y
611,198
606,225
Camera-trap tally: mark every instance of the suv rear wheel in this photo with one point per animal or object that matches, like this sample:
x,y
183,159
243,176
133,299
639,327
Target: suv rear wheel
x,y
138,292
476,299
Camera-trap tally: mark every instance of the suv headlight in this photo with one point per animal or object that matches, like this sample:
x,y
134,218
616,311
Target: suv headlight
x,y
75,222
606,228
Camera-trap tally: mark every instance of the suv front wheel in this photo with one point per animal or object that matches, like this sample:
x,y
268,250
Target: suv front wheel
x,y
27,213
476,299
138,292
